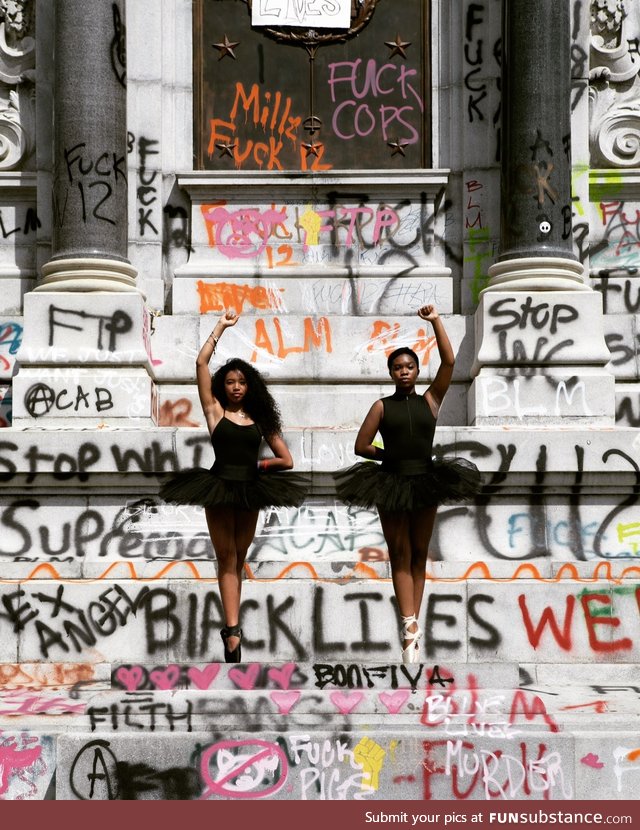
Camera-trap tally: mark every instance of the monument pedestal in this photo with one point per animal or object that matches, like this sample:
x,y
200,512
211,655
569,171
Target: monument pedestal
x,y
541,357
85,359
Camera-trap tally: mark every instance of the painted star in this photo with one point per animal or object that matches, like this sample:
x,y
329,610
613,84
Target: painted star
x,y
398,147
226,48
397,46
226,149
312,149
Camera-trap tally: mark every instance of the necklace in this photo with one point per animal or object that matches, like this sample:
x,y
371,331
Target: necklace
x,y
242,414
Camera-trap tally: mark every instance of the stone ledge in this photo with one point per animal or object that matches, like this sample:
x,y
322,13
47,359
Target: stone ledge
x,y
492,710
342,571
205,185
178,620
411,764
494,450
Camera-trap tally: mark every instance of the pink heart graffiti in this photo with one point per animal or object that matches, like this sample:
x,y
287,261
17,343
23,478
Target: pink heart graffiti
x,y
166,679
245,679
282,676
203,678
394,701
285,701
346,703
130,678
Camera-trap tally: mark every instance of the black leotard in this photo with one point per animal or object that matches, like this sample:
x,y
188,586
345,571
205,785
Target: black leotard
x,y
236,447
407,429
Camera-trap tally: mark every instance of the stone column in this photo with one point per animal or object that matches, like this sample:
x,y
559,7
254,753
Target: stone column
x,y
539,328
89,235
535,211
86,352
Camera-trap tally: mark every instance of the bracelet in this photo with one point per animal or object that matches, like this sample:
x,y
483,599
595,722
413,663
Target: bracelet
x,y
215,340
262,464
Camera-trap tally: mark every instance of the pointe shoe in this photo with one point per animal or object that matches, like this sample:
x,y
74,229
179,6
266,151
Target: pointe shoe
x,y
411,654
234,656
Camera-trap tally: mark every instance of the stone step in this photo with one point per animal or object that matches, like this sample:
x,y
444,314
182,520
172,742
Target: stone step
x,y
346,675
295,347
463,700
225,677
365,762
511,457
178,620
463,711
295,292
370,563
83,527
321,406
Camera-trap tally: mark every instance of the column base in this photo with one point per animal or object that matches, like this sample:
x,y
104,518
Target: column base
x,y
543,397
536,274
73,396
85,361
539,328
541,359
88,274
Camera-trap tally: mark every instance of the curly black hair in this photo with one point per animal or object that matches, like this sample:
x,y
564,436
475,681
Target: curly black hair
x,y
258,402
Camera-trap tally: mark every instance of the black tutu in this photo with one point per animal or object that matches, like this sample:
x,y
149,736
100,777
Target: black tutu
x,y
206,488
369,484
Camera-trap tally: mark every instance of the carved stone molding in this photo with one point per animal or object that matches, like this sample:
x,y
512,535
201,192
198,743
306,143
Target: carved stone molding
x,y
17,82
614,89
17,129
610,59
617,138
17,46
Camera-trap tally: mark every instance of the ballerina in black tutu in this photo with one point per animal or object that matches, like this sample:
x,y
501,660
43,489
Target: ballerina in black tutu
x,y
408,486
240,412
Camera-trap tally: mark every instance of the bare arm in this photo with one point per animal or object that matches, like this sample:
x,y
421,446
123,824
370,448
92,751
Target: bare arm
x,y
210,406
364,440
282,459
438,389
